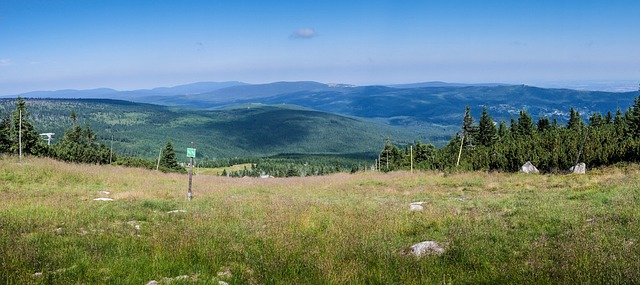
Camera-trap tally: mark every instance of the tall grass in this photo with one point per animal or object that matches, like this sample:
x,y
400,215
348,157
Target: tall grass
x,y
339,229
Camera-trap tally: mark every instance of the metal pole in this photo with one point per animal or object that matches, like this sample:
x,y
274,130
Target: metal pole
x,y
189,195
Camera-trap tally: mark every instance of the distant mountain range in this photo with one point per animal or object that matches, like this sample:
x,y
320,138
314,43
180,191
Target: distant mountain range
x,y
430,111
407,104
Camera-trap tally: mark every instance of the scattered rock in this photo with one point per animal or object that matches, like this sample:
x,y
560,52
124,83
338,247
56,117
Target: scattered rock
x,y
529,168
102,199
226,272
416,207
424,248
177,211
134,224
579,168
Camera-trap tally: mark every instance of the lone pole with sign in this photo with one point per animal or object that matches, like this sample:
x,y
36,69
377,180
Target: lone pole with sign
x,y
191,153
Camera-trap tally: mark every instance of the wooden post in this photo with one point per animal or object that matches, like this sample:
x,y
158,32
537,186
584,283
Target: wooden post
x,y
159,155
460,152
111,150
20,134
411,159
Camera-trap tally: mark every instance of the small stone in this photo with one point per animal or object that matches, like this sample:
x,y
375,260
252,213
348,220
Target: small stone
x,y
413,207
152,282
107,193
37,274
177,211
134,224
226,272
424,248
102,199
222,283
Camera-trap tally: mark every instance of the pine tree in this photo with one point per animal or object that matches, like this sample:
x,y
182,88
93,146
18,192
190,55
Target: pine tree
x,y
5,135
525,124
543,124
23,130
486,129
634,118
575,121
469,131
169,160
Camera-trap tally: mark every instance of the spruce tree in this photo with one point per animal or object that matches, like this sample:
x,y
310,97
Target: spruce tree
x,y
23,130
486,129
169,160
469,131
5,135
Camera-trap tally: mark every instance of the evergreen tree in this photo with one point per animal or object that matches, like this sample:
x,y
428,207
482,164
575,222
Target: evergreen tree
x,y
79,145
23,130
5,135
525,124
169,160
575,121
634,118
543,124
468,129
486,129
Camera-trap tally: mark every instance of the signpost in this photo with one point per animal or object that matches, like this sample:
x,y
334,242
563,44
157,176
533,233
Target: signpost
x,y
191,153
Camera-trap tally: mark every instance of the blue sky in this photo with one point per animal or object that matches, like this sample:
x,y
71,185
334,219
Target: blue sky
x,y
60,44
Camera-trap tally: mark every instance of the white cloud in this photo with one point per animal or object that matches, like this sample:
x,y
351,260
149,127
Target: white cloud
x,y
305,33
5,62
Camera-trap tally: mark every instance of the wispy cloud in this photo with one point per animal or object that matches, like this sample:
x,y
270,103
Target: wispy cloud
x,y
306,33
5,62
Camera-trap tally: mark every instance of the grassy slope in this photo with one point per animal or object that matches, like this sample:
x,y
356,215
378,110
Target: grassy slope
x,y
501,228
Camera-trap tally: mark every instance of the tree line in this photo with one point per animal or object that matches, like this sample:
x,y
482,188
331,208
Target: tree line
x,y
78,144
489,146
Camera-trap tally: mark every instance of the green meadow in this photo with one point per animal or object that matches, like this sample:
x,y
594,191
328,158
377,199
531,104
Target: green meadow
x,y
497,228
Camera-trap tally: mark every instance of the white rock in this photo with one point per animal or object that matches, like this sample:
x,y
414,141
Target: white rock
x,y
424,248
105,193
579,168
418,203
152,282
222,283
134,224
177,211
529,168
102,199
416,207
37,274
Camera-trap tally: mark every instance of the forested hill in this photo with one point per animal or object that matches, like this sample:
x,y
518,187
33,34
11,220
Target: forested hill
x,y
244,131
402,105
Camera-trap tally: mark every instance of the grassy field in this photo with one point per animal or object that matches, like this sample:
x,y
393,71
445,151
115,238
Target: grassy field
x,y
339,229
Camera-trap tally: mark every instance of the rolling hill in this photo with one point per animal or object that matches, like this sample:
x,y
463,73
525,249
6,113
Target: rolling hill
x,y
249,130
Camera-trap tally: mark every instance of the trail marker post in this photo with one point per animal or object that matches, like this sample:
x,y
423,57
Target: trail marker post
x,y
191,153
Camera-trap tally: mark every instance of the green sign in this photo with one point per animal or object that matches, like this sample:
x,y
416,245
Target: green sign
x,y
191,152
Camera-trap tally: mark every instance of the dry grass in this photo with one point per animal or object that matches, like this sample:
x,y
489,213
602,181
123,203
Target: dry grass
x,y
343,228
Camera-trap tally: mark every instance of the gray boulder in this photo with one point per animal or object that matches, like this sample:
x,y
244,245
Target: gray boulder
x,y
529,168
424,248
579,168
